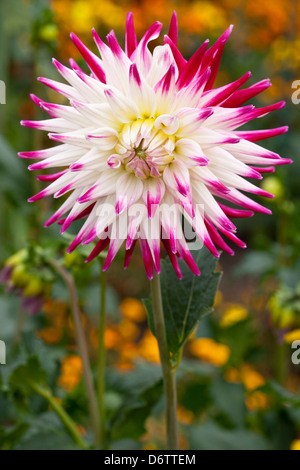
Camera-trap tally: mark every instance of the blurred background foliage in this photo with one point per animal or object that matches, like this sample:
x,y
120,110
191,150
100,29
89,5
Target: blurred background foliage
x,y
238,388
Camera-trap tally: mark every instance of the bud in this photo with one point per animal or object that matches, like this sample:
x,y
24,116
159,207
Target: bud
x,y
16,258
49,33
72,259
26,274
273,185
34,287
284,308
282,318
19,276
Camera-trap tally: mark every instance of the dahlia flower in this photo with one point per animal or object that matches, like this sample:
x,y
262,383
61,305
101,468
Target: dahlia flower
x,y
146,142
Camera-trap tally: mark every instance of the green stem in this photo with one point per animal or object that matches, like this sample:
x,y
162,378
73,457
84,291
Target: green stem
x,y
101,357
169,371
63,415
82,347
19,326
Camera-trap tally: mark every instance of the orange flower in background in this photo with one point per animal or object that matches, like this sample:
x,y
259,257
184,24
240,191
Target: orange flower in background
x,y
148,348
247,374
128,330
210,351
257,401
71,372
133,309
55,312
252,380
112,338
203,17
232,375
128,353
271,19
267,27
50,334
184,416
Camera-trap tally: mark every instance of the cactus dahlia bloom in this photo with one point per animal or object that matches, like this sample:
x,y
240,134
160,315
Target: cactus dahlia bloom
x,y
145,140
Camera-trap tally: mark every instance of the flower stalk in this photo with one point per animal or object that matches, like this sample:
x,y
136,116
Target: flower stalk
x,y
82,347
168,370
101,357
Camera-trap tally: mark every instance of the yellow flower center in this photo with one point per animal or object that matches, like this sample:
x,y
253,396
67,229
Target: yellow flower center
x,y
143,149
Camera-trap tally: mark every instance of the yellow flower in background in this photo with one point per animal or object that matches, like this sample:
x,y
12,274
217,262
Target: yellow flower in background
x,y
295,445
209,350
133,309
234,313
71,372
82,15
292,336
251,378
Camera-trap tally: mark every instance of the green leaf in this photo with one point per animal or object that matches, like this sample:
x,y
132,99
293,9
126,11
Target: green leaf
x,y
229,398
8,438
210,436
28,375
129,421
280,395
45,432
48,441
125,444
188,300
140,379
